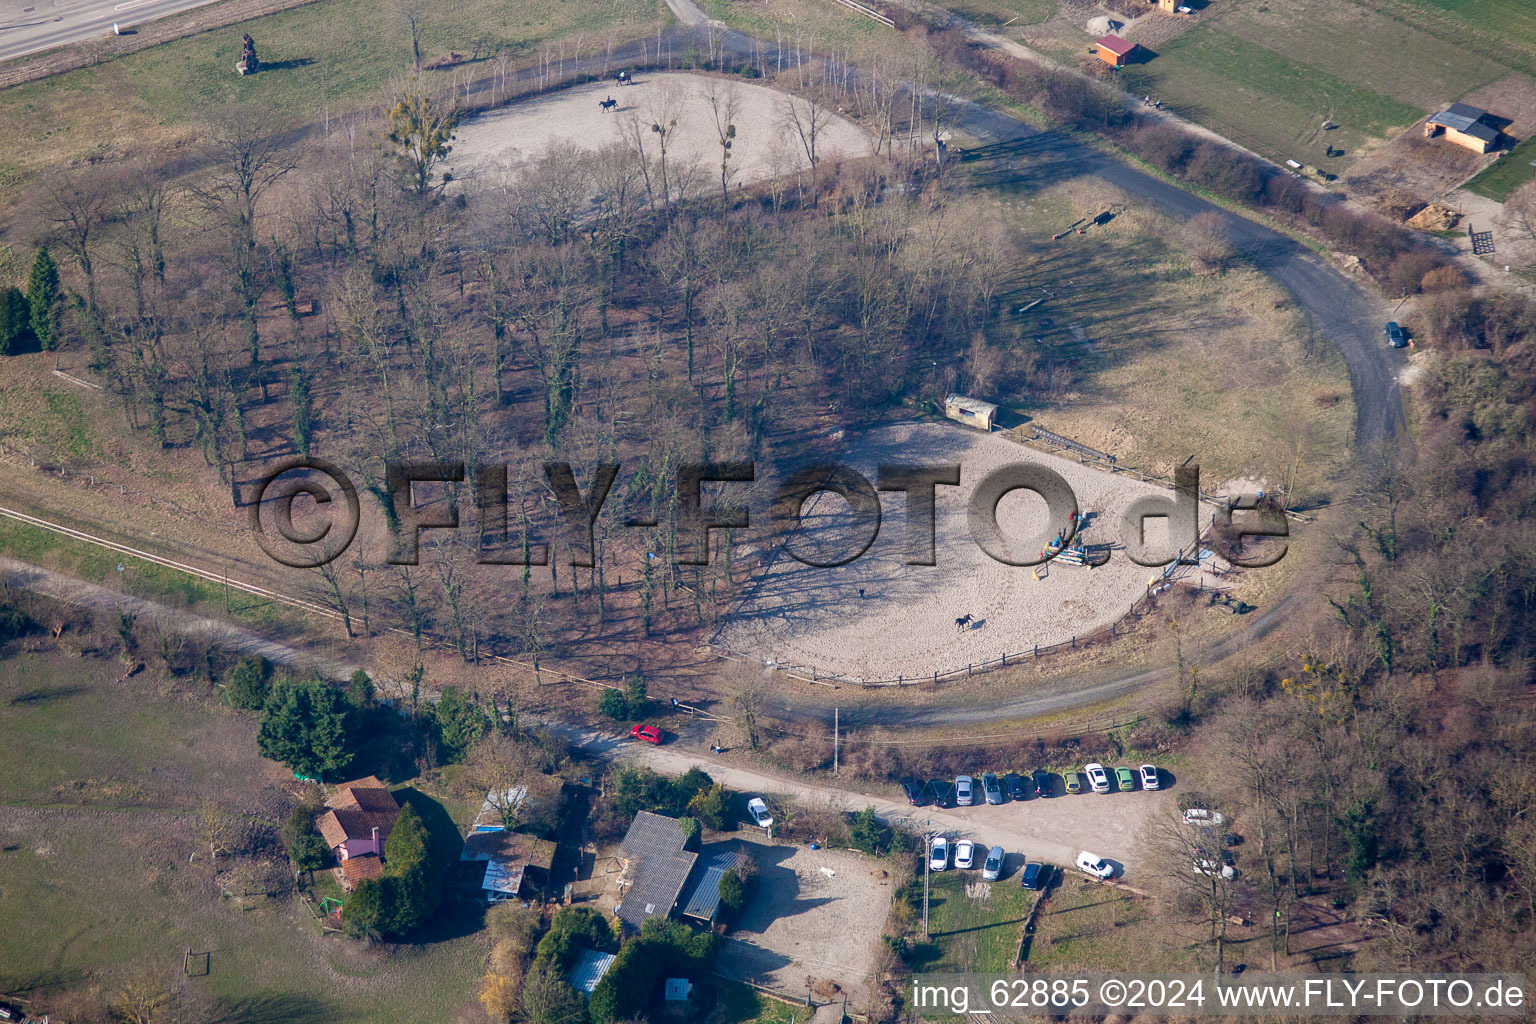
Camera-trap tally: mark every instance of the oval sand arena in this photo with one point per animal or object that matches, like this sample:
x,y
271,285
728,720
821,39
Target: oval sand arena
x,y
767,145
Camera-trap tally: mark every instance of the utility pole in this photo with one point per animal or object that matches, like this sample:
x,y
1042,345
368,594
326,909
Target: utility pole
x,y
927,868
835,712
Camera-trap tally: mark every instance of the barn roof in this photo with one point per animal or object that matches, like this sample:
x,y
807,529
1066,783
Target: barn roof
x,y
589,970
500,845
1462,118
658,865
1117,46
703,900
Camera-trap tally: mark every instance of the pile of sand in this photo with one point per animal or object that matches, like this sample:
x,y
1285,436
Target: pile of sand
x,y
1434,217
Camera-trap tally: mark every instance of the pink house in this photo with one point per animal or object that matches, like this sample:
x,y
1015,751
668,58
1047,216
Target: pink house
x,y
359,819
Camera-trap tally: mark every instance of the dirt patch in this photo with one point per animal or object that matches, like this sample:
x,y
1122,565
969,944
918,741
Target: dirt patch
x,y
804,898
877,617
765,145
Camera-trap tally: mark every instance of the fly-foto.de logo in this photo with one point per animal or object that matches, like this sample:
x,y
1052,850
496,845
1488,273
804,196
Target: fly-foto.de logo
x,y
329,527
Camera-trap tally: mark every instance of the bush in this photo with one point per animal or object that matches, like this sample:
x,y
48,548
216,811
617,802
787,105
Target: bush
x,y
572,930
613,705
306,847
514,925
711,806
247,685
869,834
733,892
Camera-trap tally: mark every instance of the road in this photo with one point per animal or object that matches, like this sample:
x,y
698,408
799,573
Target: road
x,y
27,26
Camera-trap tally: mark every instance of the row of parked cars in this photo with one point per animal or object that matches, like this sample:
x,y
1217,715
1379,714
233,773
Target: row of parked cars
x,y
994,789
963,852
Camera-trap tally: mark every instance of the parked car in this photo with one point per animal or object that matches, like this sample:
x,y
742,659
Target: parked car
x,y
1040,779
1034,876
943,792
917,793
992,867
965,791
965,854
1093,864
1149,779
1014,784
1098,778
759,811
1203,816
1210,868
1396,336
938,854
1125,778
1074,782
991,788
648,733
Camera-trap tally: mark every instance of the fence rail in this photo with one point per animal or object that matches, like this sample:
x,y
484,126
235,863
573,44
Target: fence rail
x,y
868,12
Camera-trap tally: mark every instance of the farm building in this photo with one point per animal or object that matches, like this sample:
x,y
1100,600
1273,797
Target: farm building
x,y
1114,51
359,816
1466,126
656,867
971,411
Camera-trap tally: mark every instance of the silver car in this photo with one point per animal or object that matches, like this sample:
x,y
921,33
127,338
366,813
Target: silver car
x,y
965,791
992,867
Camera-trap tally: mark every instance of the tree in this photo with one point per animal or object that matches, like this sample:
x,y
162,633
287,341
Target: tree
x,y
613,705
411,879
363,913
15,321
711,806
547,999
247,685
570,931
460,723
869,833
304,726
499,997
360,693
303,411
725,107
747,698
421,135
46,300
807,120
733,892
306,847
635,697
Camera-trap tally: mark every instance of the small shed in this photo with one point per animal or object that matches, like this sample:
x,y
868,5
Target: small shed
x,y
1114,51
589,970
973,412
1464,125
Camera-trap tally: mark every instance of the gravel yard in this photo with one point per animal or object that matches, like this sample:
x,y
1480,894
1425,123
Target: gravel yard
x,y
815,913
877,617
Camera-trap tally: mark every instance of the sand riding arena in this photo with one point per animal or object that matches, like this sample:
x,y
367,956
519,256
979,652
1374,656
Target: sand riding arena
x,y
602,114
877,618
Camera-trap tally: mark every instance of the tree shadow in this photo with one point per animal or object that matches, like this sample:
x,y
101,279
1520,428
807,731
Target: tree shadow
x,y
284,65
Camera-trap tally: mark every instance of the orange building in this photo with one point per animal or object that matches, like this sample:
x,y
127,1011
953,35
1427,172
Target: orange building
x,y
1114,51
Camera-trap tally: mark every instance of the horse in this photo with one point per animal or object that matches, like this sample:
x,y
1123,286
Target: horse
x,y
623,78
608,104
964,620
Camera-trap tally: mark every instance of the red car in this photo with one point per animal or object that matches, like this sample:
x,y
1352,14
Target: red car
x,y
649,733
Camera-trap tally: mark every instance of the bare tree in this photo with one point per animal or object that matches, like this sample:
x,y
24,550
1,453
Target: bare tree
x,y
724,106
807,120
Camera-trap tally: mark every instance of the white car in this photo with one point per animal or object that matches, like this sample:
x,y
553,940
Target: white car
x,y
938,854
1209,868
1149,778
1098,778
965,854
1202,816
1094,865
965,791
759,812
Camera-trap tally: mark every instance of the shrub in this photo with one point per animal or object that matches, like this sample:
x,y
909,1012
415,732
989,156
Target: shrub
x,y
306,847
247,686
868,833
711,806
514,925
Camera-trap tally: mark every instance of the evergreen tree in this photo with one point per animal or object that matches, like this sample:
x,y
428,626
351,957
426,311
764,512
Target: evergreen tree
x,y
460,722
304,726
363,913
410,878
15,321
710,806
46,299
303,411
247,685
306,847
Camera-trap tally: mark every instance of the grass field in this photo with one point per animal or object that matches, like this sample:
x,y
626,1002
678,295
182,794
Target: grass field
x,y
975,925
743,1004
1510,20
1085,925
326,58
1264,99
100,807
1500,179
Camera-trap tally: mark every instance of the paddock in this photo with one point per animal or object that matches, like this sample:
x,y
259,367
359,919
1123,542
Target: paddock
x,y
766,146
913,620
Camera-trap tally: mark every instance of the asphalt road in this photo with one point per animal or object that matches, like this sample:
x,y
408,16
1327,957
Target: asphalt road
x,y
27,26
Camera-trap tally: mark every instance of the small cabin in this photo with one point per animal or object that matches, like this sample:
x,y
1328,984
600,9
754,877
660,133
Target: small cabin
x,y
1114,51
973,412
1465,126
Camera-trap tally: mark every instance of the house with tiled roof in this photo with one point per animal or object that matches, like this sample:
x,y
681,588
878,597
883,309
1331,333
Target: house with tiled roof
x,y
358,819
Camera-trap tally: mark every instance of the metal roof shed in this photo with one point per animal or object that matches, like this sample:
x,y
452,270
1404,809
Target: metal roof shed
x,y
589,970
